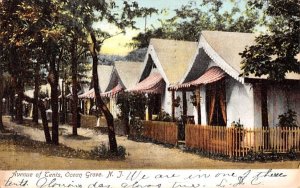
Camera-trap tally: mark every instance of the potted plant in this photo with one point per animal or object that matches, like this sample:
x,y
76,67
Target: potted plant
x,y
287,120
239,128
176,102
163,116
194,99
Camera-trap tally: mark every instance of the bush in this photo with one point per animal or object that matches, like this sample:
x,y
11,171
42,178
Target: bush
x,y
163,116
136,126
103,152
288,119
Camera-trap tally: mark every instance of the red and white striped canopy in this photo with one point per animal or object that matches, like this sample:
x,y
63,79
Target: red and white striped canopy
x,y
90,94
154,84
112,92
212,74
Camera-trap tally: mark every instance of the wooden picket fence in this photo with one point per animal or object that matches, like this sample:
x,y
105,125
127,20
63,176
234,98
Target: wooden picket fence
x,y
235,142
164,132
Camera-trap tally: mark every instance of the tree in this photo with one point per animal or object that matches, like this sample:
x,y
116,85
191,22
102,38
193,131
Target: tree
x,y
132,105
21,24
275,51
122,20
4,81
197,16
30,24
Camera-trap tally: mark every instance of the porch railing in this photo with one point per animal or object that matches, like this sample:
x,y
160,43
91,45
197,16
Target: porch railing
x,y
235,142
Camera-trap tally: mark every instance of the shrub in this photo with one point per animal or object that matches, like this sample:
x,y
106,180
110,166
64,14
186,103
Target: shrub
x,y
136,127
237,124
163,116
288,119
103,152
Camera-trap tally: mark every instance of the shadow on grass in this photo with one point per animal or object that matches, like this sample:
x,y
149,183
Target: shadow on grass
x,y
76,137
25,144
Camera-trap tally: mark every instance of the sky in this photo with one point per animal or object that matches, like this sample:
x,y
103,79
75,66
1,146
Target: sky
x,y
118,45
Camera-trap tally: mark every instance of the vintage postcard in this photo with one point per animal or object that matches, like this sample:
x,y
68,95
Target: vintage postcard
x,y
164,93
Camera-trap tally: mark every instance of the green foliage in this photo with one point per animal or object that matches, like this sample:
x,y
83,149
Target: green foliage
x,y
196,16
176,101
137,55
132,105
136,127
103,152
57,35
163,116
237,124
274,53
193,98
288,119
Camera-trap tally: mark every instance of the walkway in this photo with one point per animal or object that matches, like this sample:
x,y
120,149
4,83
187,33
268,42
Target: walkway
x,y
141,155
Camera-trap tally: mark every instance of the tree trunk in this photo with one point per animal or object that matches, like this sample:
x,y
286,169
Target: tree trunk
x,y
53,80
127,128
99,102
35,111
74,86
12,104
1,122
1,96
63,101
42,108
19,104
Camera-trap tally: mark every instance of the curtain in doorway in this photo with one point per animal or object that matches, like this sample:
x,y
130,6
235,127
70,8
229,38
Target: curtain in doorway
x,y
223,102
212,103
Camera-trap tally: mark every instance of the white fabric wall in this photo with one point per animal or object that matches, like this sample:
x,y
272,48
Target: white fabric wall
x,y
293,97
203,105
240,103
113,107
178,110
257,107
166,101
190,107
279,101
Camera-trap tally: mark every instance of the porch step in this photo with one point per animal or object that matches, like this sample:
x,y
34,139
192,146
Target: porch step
x,y
181,142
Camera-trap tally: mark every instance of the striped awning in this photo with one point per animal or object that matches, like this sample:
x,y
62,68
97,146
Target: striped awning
x,y
212,74
112,92
153,84
90,94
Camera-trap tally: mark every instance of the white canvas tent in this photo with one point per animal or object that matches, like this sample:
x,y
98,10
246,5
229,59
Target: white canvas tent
x,y
254,101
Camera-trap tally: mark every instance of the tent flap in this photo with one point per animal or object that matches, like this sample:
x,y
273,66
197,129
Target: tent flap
x,y
90,94
212,74
112,92
154,84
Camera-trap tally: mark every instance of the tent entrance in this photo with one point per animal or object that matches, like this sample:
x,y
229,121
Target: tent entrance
x,y
216,103
154,105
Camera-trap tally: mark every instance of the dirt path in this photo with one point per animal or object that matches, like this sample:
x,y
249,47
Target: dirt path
x,y
141,155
